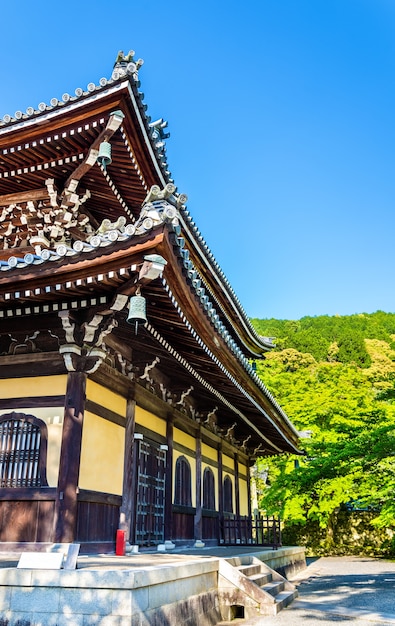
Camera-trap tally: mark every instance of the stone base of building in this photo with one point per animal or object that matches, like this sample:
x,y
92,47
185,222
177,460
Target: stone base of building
x,y
102,593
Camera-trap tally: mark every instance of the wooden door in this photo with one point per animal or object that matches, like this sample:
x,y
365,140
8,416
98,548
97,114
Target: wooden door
x,y
150,505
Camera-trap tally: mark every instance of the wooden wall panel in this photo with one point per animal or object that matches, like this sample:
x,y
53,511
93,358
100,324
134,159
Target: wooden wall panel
x,y
45,519
210,527
183,526
97,521
26,520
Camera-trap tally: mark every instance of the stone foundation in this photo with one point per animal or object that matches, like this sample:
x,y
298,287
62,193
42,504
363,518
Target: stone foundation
x,y
164,595
168,594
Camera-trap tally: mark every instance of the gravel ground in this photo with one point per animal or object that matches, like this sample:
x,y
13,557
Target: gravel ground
x,y
356,590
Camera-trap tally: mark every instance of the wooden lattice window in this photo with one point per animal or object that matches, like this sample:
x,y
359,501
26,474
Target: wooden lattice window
x,y
23,451
228,495
208,489
183,493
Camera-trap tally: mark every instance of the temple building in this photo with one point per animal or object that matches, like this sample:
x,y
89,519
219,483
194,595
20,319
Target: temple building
x,y
128,397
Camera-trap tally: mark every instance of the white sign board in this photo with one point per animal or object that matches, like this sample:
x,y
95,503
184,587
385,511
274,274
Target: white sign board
x,y
40,560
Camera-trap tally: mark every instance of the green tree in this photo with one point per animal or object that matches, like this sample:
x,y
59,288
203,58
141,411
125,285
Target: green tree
x,y
345,398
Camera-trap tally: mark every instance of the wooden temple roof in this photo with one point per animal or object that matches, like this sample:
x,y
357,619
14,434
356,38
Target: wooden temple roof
x,y
78,234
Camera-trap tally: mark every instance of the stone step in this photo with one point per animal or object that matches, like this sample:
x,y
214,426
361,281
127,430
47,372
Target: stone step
x,y
261,578
274,588
284,598
257,589
249,570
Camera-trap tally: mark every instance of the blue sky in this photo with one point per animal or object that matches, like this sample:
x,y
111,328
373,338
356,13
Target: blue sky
x,y
281,114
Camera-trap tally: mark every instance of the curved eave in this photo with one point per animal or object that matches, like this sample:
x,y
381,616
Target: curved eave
x,y
119,81
15,282
123,94
242,395
54,118
219,285
219,349
268,437
49,126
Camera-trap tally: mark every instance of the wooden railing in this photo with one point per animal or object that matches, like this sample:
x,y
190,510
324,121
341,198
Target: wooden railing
x,y
252,531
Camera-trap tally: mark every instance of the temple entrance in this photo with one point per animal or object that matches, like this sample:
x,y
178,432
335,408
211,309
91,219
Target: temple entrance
x,y
150,505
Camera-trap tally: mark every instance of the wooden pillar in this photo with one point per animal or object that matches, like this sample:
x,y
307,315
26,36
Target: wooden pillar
x,y
169,480
220,494
220,482
249,488
127,512
237,490
198,521
70,455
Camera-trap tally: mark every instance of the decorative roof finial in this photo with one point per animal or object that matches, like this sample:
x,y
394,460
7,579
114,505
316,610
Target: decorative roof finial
x,y
122,58
125,64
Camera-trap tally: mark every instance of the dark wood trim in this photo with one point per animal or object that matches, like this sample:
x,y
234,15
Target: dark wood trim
x,y
210,513
152,403
31,403
99,497
31,364
31,357
169,480
114,380
249,491
134,487
24,196
126,513
181,508
210,462
186,424
70,456
237,492
27,493
209,438
96,547
198,514
228,470
121,347
220,482
107,414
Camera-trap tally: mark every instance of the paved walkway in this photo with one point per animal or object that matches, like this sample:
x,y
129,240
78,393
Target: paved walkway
x,y
356,590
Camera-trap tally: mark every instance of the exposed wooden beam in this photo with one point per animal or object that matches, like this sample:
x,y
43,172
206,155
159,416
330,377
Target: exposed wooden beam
x,y
24,196
114,122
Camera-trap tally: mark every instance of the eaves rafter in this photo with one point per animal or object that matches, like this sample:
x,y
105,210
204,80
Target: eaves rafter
x,y
221,365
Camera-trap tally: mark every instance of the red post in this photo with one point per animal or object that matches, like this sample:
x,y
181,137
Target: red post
x,y
120,545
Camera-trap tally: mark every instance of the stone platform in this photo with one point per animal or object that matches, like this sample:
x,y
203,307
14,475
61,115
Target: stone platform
x,y
143,589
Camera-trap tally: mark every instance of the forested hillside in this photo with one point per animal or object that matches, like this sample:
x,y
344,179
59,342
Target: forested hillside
x,y
335,378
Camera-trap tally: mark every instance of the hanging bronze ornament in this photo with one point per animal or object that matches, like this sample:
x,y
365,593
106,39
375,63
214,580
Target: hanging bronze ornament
x,y
137,310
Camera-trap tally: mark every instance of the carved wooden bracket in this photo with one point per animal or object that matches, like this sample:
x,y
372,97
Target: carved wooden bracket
x,y
84,349
114,122
210,420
